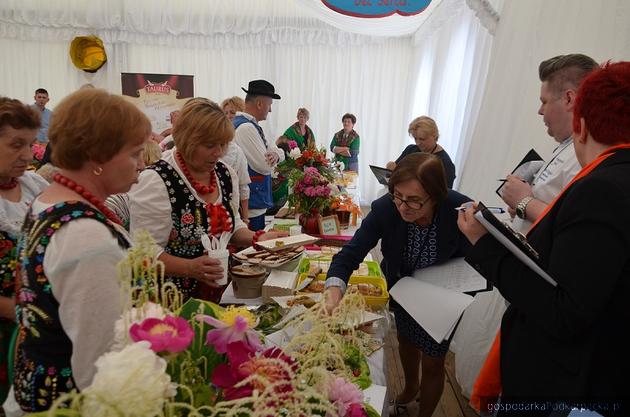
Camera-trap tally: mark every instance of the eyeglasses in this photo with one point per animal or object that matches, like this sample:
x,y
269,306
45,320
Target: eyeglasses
x,y
412,204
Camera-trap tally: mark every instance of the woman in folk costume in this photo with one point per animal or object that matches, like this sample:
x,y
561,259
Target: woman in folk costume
x,y
19,125
568,343
189,193
345,144
68,297
299,132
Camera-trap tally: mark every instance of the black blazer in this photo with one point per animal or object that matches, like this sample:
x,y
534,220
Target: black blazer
x,y
570,341
384,222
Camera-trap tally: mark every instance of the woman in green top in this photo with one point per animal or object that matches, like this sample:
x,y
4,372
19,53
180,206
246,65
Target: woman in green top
x,y
345,144
298,132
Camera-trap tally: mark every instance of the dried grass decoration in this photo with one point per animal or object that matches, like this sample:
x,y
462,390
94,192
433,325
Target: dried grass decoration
x,y
163,369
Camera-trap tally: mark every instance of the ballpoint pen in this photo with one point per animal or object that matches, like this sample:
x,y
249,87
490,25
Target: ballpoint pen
x,y
497,210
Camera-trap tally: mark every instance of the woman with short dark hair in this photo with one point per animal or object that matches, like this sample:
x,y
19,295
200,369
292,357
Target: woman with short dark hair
x,y
19,125
345,144
417,226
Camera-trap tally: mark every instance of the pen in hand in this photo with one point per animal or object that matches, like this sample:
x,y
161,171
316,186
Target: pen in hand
x,y
497,210
505,179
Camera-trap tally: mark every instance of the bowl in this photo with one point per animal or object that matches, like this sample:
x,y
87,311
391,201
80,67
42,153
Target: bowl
x,y
247,280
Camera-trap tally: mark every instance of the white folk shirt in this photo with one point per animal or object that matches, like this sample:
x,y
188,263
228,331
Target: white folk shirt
x,y
552,178
235,158
150,204
249,140
81,265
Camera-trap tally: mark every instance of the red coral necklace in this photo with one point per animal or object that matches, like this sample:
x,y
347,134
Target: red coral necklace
x,y
218,217
91,198
9,185
199,187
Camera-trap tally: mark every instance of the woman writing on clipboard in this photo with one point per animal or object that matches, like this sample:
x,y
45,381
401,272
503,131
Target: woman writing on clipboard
x,y
569,342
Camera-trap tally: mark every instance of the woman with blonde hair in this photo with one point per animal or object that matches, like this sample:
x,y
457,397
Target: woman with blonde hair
x,y
68,296
425,133
189,193
299,132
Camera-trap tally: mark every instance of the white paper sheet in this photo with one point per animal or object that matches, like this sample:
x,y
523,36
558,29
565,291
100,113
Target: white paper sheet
x,y
454,275
435,308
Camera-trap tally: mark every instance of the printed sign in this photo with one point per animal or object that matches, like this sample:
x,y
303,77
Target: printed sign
x,y
329,225
157,95
377,8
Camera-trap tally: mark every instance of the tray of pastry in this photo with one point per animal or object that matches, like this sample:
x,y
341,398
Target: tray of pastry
x,y
287,242
269,259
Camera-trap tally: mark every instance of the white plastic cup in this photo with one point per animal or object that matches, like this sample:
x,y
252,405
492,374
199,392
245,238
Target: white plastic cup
x,y
295,230
222,255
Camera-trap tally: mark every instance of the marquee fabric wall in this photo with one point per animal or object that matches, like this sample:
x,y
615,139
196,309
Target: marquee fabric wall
x,y
312,62
508,124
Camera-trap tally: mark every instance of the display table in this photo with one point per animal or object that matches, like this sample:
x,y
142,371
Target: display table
x,y
377,394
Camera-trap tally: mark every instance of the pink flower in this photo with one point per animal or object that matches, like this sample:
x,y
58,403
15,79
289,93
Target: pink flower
x,y
172,334
243,363
356,410
311,171
235,324
292,144
343,394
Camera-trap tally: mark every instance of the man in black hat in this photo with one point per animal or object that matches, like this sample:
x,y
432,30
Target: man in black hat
x,y
262,155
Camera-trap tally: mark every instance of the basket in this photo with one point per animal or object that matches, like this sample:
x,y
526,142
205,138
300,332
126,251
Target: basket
x,y
372,301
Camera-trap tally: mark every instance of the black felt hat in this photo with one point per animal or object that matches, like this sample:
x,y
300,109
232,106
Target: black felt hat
x,y
261,88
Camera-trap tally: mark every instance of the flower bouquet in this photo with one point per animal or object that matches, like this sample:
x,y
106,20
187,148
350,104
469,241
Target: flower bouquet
x,y
198,359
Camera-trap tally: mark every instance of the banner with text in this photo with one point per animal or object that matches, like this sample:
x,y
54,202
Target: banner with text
x,y
157,95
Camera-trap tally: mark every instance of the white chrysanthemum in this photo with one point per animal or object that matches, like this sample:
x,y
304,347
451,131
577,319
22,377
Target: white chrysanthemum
x,y
129,383
136,315
295,153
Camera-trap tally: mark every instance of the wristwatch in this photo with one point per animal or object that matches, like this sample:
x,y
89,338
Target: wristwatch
x,y
522,206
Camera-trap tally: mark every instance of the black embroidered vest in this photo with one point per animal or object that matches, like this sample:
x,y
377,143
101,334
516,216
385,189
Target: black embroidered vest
x,y
42,367
189,217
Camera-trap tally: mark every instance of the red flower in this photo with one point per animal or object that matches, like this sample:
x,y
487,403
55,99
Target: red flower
x,y
188,218
5,247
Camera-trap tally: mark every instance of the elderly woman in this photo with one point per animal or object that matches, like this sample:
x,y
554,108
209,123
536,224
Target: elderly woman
x,y
190,192
19,125
569,342
417,226
299,132
235,157
345,144
425,132
68,296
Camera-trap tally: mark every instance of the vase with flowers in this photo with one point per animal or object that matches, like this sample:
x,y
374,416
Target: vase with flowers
x,y
310,187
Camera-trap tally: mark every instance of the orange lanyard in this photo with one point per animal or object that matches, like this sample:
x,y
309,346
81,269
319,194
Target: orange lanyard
x,y
583,172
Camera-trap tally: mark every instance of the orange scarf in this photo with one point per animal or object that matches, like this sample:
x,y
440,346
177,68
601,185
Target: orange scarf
x,y
487,388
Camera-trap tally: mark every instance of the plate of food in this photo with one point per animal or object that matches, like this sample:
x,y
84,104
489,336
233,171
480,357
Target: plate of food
x,y
269,259
289,301
288,242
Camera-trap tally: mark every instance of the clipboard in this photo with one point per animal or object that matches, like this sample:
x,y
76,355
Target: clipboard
x,y
512,240
381,174
526,169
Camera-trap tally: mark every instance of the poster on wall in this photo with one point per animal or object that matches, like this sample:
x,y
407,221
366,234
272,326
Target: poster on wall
x,y
157,95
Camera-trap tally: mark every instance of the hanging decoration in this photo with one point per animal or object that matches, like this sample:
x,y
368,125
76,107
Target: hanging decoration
x,y
88,53
377,8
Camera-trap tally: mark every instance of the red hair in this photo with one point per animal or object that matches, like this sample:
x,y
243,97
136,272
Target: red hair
x,y
603,100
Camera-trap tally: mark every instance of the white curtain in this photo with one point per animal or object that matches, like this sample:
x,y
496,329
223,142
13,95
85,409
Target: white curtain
x,y
312,63
528,33
451,60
